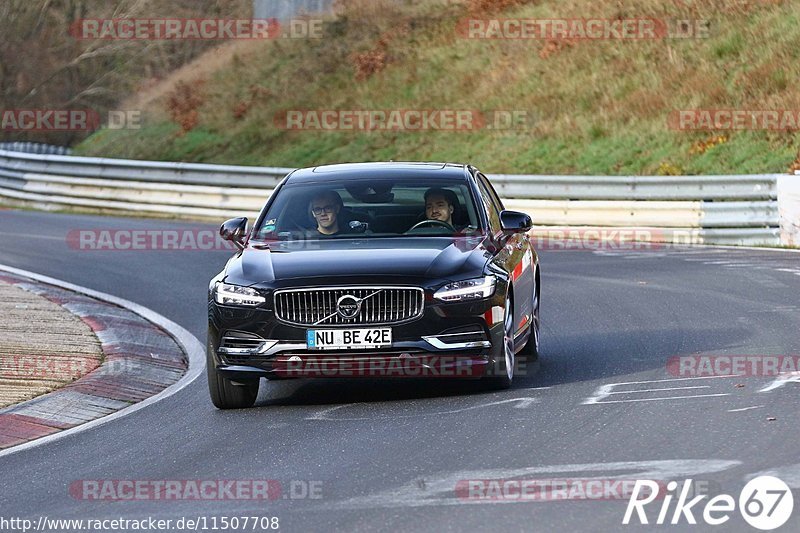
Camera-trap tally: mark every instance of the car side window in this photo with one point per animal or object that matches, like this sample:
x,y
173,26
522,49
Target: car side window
x,y
492,193
489,205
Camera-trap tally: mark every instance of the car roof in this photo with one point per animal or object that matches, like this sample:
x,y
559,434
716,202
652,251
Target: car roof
x,y
379,170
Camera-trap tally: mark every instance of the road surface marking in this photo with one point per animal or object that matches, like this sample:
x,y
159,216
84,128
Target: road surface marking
x,y
323,414
781,380
657,390
744,409
665,398
604,391
789,474
440,491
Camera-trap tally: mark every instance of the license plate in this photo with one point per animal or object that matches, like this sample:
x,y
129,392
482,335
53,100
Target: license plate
x,y
347,339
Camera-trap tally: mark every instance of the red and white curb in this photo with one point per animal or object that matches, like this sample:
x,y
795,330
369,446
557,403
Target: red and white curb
x,y
147,358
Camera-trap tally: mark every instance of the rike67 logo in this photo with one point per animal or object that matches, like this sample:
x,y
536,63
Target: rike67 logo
x,y
765,503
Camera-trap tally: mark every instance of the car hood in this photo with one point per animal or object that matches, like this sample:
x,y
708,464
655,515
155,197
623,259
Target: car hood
x,y
423,257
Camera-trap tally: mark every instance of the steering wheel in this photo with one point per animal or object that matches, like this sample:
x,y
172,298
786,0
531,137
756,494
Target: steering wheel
x,y
431,222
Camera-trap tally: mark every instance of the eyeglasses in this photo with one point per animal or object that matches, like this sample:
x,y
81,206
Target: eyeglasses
x,y
325,208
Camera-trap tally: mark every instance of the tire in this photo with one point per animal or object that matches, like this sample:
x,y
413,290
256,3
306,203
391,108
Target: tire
x,y
531,349
502,371
226,394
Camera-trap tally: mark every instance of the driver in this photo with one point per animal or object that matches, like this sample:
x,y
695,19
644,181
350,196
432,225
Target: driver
x,y
325,207
440,205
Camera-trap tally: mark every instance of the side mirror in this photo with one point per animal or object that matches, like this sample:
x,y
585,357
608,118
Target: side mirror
x,y
234,230
515,222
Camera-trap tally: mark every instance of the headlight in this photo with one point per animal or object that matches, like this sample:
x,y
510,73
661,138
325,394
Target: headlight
x,y
470,289
235,295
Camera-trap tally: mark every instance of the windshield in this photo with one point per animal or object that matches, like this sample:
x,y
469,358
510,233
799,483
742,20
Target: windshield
x,y
348,208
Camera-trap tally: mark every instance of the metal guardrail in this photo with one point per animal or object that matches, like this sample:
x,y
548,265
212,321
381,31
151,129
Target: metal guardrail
x,y
35,148
152,171
743,187
719,209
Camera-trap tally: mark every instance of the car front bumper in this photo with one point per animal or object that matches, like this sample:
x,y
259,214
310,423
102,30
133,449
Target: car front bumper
x,y
447,341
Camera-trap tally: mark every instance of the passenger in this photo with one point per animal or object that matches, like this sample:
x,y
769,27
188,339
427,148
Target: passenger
x,y
325,207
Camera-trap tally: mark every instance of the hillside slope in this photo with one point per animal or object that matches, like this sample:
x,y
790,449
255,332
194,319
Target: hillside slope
x,y
590,106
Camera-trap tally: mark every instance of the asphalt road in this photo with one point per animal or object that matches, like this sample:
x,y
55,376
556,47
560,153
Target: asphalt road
x,y
387,456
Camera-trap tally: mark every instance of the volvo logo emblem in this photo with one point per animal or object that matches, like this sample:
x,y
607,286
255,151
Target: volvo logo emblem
x,y
348,306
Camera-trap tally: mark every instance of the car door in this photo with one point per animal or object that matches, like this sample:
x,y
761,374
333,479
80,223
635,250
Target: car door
x,y
518,257
505,256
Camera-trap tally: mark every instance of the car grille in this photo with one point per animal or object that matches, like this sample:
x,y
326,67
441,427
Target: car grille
x,y
379,305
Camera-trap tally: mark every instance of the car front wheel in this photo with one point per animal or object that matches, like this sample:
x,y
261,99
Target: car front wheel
x,y
228,394
531,349
502,371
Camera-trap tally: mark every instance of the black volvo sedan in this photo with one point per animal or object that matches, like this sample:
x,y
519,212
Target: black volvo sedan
x,y
374,270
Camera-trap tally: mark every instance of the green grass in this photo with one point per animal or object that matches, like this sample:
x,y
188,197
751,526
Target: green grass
x,y
593,107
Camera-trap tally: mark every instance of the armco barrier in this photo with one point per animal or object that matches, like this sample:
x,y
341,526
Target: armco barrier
x,y
35,148
714,209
